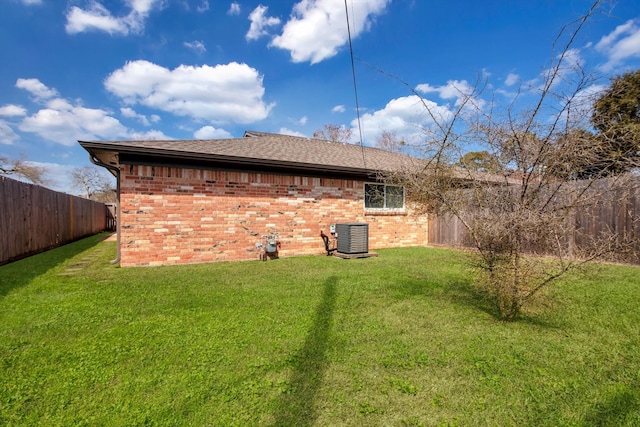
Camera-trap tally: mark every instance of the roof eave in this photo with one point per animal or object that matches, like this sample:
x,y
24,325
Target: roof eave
x,y
154,156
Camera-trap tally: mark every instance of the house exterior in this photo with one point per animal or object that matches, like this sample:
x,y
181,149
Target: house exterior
x,y
203,201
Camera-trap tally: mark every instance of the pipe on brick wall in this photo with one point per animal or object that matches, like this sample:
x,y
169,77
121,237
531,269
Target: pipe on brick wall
x,y
116,172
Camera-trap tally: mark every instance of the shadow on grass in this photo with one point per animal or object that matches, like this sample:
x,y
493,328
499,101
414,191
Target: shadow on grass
x,y
457,290
621,408
462,291
297,406
22,272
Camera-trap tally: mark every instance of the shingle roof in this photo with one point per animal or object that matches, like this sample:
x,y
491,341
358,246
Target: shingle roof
x,y
258,149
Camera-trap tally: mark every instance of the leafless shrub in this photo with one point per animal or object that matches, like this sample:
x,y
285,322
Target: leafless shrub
x,y
521,217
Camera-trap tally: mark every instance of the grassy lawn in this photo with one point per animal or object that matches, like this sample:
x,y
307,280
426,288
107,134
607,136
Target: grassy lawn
x,y
398,340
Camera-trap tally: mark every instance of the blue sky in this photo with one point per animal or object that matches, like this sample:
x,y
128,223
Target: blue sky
x,y
185,69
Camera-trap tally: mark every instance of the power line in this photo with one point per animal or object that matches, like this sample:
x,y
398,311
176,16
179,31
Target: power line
x,y
355,85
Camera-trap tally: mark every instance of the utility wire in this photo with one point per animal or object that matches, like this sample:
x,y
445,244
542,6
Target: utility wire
x,y
355,86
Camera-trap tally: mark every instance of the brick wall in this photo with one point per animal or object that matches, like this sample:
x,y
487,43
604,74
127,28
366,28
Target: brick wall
x,y
179,216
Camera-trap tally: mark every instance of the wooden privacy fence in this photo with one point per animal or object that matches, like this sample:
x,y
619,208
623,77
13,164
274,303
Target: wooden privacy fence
x,y
617,211
34,219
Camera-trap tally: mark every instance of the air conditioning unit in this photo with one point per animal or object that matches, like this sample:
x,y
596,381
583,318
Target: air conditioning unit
x,y
353,238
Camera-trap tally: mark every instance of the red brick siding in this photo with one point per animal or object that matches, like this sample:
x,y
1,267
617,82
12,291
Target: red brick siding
x,y
179,216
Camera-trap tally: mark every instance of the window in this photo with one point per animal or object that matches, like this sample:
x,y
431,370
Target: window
x,y
384,197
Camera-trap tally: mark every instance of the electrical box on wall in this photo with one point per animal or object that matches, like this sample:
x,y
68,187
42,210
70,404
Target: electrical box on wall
x,y
353,237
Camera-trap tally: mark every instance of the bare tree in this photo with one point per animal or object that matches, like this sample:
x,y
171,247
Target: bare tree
x,y
23,169
389,140
334,133
93,183
525,207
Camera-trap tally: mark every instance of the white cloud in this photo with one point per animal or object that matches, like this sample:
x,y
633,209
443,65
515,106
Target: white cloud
x,y
569,65
510,95
460,90
317,28
573,59
622,43
234,9
149,136
582,105
260,22
406,116
286,131
64,123
303,120
36,88
203,7
130,113
209,132
590,94
224,93
12,110
196,45
7,135
512,79
59,104
59,176
97,17
452,90
338,109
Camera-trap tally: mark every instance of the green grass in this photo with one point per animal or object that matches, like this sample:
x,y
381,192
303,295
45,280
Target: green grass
x,y
398,340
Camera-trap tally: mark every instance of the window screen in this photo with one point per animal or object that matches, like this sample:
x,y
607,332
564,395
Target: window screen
x,y
382,196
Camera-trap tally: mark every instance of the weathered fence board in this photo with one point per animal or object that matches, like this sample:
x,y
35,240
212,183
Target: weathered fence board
x,y
618,212
34,219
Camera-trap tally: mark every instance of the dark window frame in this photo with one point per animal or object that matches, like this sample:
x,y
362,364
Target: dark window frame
x,y
380,197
